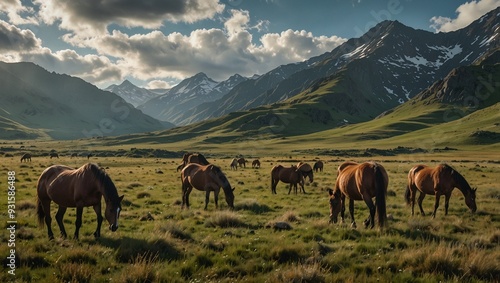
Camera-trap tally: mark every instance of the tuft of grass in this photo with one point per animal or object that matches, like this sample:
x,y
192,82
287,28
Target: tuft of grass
x,y
130,249
25,205
142,269
299,273
74,272
143,195
225,219
175,230
252,205
290,216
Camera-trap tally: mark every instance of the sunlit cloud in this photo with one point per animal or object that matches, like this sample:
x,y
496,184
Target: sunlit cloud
x,y
466,14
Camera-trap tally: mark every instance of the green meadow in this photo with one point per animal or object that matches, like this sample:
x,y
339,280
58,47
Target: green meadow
x,y
157,241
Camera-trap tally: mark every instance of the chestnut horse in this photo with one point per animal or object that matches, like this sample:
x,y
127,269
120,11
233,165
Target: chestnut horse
x,y
289,175
438,181
206,178
307,172
318,166
78,188
256,163
361,181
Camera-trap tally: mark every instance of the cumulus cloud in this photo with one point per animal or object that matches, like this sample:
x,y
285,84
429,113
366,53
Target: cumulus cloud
x,y
219,53
466,14
13,38
158,84
17,13
87,18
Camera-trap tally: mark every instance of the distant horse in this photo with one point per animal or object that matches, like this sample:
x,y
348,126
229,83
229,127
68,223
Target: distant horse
x,y
74,154
78,188
361,181
289,175
318,166
206,178
256,163
190,157
234,164
440,180
242,161
54,154
26,157
89,155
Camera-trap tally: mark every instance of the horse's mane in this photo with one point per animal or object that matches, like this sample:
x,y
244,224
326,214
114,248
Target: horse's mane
x,y
110,192
458,178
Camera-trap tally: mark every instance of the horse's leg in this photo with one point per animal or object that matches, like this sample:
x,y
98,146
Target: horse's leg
x,y
59,218
413,194
186,196
78,222
48,219
436,204
371,220
342,210
290,188
420,200
207,196
216,198
446,202
351,212
97,209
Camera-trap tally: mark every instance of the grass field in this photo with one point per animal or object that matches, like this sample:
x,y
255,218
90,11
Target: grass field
x,y
159,242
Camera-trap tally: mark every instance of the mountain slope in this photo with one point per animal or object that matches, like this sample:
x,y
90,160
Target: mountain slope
x,y
62,107
188,94
131,93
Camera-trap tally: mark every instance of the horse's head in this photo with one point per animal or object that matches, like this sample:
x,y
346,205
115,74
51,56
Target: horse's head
x,y
335,205
470,200
112,213
229,197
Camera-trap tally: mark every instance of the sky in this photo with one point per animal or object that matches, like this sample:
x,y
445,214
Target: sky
x,y
157,43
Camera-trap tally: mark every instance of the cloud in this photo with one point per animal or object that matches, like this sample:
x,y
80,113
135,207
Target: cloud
x,y
219,53
466,14
87,18
158,84
13,38
15,12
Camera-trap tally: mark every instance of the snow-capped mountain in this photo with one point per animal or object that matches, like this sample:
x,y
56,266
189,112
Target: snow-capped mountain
x,y
188,94
391,63
131,93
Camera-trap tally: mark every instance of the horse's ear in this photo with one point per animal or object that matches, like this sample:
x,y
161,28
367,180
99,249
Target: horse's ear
x,y
233,189
330,192
121,198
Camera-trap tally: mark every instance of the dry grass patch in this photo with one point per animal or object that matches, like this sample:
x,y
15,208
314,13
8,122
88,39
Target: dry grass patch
x,y
225,219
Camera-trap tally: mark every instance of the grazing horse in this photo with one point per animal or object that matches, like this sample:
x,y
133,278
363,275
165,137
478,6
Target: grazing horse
x,y
54,154
440,180
242,161
74,154
234,164
307,172
26,157
256,163
289,175
78,188
361,181
318,166
206,178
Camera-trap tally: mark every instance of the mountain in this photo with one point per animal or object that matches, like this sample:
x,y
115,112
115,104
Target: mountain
x,y
390,63
131,93
37,103
188,94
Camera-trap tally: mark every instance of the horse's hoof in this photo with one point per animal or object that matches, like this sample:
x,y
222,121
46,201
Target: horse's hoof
x,y
353,225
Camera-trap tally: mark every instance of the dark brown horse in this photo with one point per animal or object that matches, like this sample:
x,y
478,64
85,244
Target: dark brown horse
x,y
208,178
360,182
437,181
26,157
74,154
318,166
256,163
307,172
54,155
242,161
78,188
289,175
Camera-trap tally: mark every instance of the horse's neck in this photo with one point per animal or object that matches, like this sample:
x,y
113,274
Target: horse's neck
x,y
462,185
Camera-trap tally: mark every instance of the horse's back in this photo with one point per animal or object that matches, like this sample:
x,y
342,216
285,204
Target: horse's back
x,y
47,177
354,179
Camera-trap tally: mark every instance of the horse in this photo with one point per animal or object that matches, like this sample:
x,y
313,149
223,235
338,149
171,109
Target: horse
x,y
74,154
78,188
26,157
234,164
440,180
307,171
89,155
360,181
318,166
242,161
256,163
54,154
190,157
206,178
289,175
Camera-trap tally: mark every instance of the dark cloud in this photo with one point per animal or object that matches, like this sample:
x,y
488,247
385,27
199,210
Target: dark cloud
x,y
13,38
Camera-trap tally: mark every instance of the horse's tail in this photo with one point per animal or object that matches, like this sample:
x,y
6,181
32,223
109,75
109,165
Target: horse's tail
x,y
408,195
380,195
40,213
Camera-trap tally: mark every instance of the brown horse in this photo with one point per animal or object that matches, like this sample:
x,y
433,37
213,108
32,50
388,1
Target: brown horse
x,y
78,188
54,154
256,163
438,181
206,178
318,166
242,161
74,154
289,175
360,182
190,157
26,157
307,172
